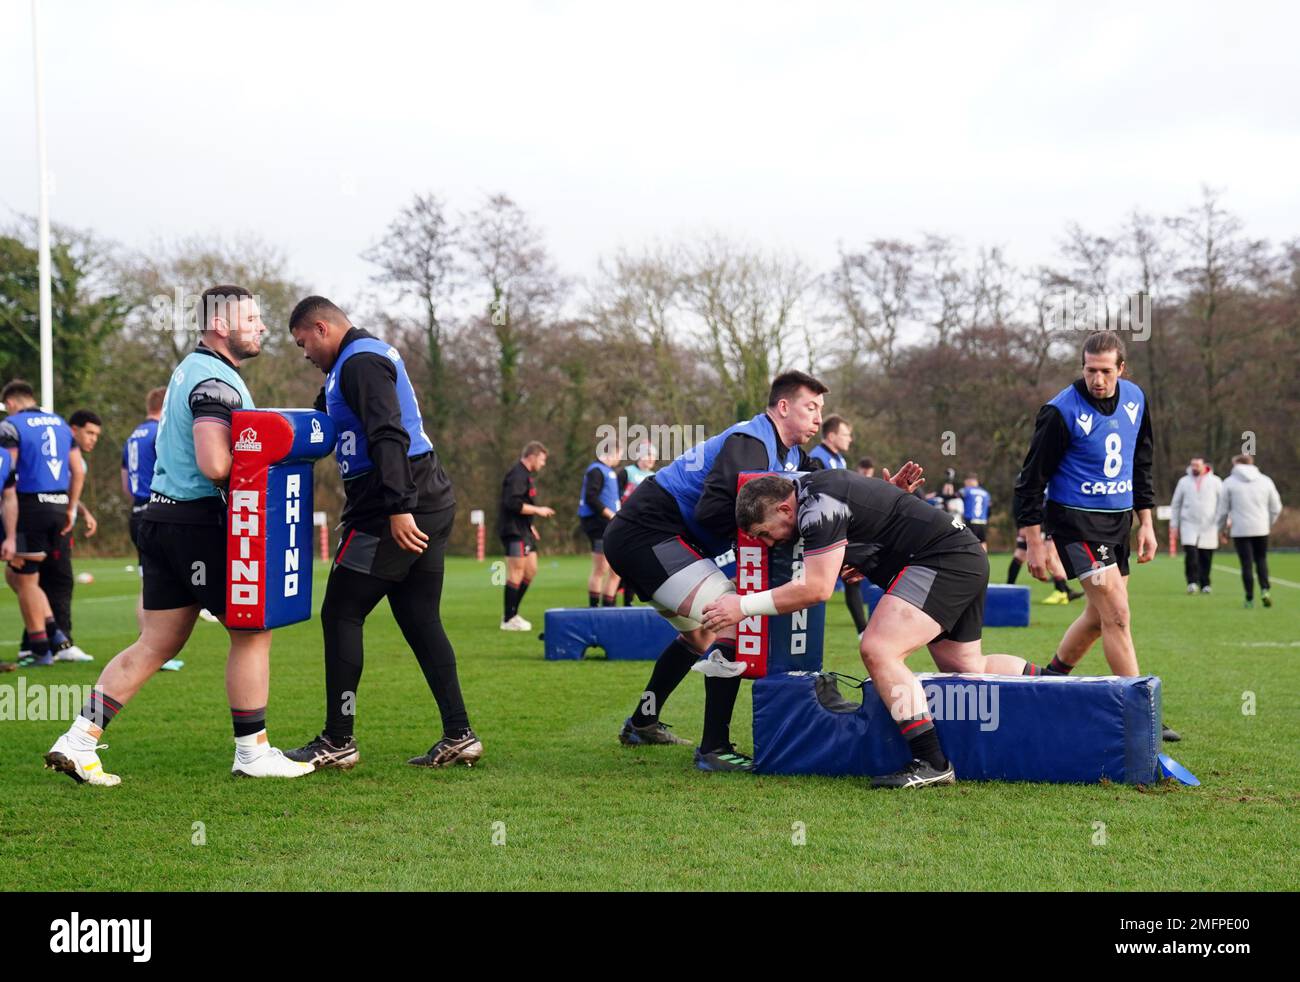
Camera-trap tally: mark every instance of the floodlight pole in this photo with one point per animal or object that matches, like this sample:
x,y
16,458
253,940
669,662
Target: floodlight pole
x,y
43,227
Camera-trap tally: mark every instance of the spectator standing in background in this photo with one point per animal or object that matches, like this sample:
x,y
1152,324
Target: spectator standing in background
x,y
1192,522
1250,505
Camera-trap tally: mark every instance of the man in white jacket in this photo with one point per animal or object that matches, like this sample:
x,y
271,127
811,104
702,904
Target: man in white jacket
x,y
1192,521
1250,505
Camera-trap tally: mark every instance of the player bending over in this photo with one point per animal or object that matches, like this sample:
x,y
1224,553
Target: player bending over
x,y
934,569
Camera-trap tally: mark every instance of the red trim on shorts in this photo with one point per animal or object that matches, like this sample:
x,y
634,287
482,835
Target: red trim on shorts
x,y
688,548
895,579
346,542
1091,557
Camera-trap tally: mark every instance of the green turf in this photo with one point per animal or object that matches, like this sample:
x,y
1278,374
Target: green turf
x,y
579,811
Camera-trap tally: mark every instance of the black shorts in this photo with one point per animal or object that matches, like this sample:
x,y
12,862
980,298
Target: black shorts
x,y
1082,559
183,565
519,546
595,526
950,588
133,530
980,532
39,529
649,559
373,550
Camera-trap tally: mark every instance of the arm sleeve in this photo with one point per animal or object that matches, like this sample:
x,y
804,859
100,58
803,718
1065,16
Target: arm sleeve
x,y
8,435
1046,448
1175,505
592,486
1144,489
1274,504
369,384
213,400
823,524
716,509
319,404
1225,502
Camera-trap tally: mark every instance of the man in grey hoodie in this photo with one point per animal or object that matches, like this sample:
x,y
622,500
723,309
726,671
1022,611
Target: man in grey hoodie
x,y
1192,521
1249,505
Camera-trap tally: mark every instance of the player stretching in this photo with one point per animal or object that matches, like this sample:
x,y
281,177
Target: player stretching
x,y
182,538
936,574
1091,451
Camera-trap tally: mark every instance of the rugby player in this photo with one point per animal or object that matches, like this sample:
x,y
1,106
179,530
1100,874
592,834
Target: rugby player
x,y
934,571
9,521
976,503
1091,453
182,538
662,543
397,517
49,476
138,456
598,502
837,438
518,533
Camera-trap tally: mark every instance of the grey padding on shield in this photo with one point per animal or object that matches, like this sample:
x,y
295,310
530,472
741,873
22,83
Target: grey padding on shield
x,y
678,587
914,585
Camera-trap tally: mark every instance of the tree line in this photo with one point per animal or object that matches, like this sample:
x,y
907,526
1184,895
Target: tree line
x,y
933,350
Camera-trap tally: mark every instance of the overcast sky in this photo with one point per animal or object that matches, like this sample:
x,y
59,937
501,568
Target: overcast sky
x,y
795,125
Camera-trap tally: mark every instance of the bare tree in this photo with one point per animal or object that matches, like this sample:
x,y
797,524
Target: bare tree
x,y
1222,271
417,256
638,300
749,305
512,271
874,291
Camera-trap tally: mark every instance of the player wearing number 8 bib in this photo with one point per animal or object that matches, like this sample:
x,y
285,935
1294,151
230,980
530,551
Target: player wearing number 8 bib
x,y
1091,452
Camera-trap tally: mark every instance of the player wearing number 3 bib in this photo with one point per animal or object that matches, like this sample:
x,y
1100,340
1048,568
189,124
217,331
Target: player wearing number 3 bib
x,y
1091,452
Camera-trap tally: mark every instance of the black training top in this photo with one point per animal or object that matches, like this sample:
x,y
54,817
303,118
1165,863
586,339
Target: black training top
x,y
397,483
517,490
881,526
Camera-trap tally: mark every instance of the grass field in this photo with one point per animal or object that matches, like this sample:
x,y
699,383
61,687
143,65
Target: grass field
x,y
582,812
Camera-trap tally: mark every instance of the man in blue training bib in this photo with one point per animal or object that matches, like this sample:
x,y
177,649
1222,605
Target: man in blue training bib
x,y
975,505
49,474
138,456
663,542
397,517
837,438
598,503
1091,452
